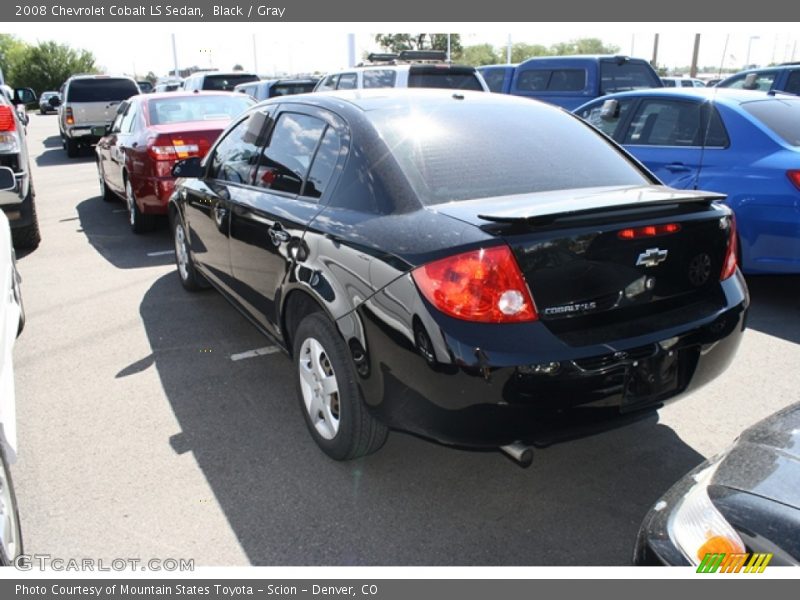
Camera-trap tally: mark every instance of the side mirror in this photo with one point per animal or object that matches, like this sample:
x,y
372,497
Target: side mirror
x,y
610,110
188,167
54,101
7,181
24,96
751,81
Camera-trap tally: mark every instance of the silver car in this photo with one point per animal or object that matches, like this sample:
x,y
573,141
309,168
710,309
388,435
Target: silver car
x,y
89,105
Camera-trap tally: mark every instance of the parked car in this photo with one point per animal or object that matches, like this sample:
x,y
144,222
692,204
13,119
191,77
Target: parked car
x,y
682,82
145,86
18,204
408,69
782,78
744,500
269,88
168,87
45,106
743,144
152,131
90,102
570,81
474,268
12,320
217,80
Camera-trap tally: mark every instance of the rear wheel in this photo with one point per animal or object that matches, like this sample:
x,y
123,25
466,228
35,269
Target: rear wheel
x,y
336,415
140,223
72,147
191,280
28,237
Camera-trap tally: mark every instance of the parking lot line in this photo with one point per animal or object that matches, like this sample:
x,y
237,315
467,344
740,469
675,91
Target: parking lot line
x,y
256,352
161,253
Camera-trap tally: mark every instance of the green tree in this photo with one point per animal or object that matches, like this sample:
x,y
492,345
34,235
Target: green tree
x,y
583,46
522,51
12,56
478,55
397,42
48,64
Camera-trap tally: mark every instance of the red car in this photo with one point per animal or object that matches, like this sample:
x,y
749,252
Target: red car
x,y
150,133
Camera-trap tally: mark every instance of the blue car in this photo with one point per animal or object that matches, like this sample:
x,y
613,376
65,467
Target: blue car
x,y
740,143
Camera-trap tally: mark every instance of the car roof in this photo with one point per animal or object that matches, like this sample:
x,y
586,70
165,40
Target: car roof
x,y
714,94
176,95
100,76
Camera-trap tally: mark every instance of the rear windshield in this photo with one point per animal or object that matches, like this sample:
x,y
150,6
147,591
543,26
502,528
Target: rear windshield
x,y
552,80
615,77
226,82
290,89
442,77
464,151
781,116
101,90
197,108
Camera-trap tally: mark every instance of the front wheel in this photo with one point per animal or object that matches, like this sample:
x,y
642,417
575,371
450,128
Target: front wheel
x,y
336,415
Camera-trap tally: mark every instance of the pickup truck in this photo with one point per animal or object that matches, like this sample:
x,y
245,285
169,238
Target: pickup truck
x,y
569,81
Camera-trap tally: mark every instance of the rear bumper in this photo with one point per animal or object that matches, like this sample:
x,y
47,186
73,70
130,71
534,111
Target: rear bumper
x,y
153,193
83,133
490,396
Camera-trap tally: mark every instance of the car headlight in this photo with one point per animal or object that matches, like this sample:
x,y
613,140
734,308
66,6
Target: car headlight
x,y
697,528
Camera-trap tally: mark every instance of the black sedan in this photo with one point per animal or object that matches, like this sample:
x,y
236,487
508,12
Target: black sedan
x,y
744,502
478,269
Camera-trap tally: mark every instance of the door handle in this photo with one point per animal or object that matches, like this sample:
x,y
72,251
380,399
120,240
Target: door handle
x,y
278,234
677,167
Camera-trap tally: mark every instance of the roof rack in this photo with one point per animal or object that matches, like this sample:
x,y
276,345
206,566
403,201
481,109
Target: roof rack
x,y
405,57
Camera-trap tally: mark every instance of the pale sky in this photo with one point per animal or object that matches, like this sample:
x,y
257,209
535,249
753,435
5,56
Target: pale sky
x,y
298,47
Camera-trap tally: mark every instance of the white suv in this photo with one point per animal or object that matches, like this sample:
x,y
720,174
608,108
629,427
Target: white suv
x,y
408,69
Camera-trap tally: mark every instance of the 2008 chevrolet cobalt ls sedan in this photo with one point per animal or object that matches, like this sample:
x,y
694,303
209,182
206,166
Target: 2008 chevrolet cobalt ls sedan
x,y
478,269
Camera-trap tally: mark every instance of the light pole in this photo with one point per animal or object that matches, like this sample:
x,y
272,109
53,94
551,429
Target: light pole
x,y
749,47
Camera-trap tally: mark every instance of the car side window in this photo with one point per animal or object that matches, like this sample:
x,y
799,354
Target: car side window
x,y
126,126
329,83
494,78
284,163
379,78
117,124
533,80
716,134
610,123
793,83
760,81
324,164
665,123
347,81
236,155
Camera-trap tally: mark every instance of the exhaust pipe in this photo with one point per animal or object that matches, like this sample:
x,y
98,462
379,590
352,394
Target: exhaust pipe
x,y
519,452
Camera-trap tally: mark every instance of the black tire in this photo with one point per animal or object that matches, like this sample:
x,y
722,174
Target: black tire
x,y
105,193
28,237
358,433
191,280
72,147
139,222
9,500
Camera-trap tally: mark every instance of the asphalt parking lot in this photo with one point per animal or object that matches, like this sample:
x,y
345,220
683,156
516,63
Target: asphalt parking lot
x,y
139,436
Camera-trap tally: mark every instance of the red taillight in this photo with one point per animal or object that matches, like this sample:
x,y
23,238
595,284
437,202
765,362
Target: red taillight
x,y
483,285
175,147
7,121
794,177
634,233
69,117
729,264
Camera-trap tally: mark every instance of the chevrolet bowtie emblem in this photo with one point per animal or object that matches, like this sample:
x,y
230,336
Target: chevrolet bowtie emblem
x,y
652,257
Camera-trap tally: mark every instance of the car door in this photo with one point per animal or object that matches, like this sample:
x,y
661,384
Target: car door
x,y
207,204
120,146
666,135
269,220
106,145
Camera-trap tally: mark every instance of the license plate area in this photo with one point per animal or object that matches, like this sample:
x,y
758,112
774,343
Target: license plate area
x,y
653,379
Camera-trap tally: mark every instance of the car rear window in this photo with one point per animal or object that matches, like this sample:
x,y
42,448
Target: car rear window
x,y
101,90
782,116
552,80
290,89
453,152
226,83
181,109
619,77
443,77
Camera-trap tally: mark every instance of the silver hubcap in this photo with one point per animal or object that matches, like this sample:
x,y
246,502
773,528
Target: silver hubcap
x,y
181,253
319,387
131,202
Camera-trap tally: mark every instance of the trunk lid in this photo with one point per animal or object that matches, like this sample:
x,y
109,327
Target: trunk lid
x,y
609,263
